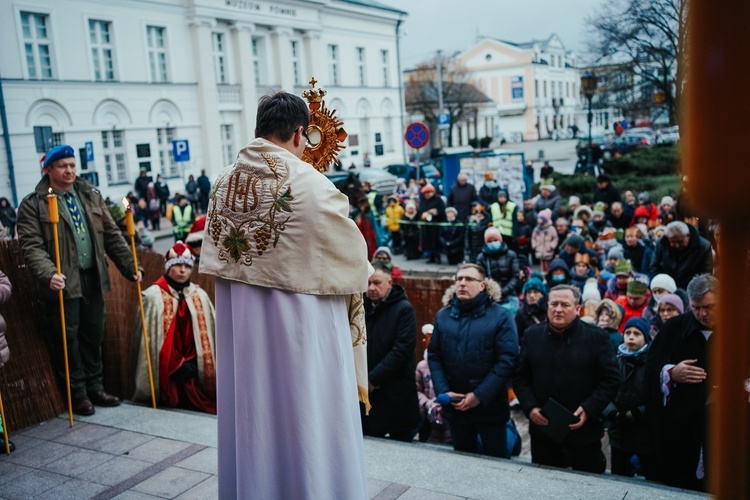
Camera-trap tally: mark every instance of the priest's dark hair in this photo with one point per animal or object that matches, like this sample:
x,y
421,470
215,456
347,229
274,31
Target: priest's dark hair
x,y
279,116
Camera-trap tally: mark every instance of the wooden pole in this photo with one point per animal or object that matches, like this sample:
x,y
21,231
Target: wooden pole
x,y
54,217
716,103
130,224
5,426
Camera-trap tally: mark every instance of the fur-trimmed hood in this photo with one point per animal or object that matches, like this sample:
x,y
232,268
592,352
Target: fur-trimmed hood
x,y
493,290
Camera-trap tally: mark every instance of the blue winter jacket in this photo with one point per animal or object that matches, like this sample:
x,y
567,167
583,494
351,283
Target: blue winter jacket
x,y
474,348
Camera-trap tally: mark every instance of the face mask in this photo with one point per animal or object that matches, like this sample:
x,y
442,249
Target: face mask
x,y
494,245
558,279
575,229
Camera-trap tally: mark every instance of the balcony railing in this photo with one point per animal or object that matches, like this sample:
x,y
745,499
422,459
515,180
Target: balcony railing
x,y
228,94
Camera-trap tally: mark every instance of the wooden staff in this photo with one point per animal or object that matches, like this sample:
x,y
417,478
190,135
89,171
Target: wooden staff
x,y
54,218
4,427
131,232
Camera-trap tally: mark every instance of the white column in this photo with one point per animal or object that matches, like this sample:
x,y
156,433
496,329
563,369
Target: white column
x,y
281,48
208,101
315,57
242,38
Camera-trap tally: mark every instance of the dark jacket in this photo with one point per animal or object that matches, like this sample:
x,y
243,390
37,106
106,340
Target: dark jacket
x,y
488,193
452,239
473,349
626,415
684,264
5,290
410,234
141,184
475,238
502,266
36,240
557,264
636,256
461,198
431,234
679,428
391,341
621,222
576,368
553,203
608,195
530,315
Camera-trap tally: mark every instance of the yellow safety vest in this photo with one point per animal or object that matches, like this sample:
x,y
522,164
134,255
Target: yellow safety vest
x,y
503,223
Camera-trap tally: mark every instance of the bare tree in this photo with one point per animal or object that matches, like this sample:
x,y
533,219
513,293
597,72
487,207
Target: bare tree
x,y
650,36
460,97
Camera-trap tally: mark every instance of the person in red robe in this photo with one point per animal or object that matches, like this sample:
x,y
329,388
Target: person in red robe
x,y
180,320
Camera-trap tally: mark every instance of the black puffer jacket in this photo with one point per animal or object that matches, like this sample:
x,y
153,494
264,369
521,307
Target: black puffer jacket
x,y
391,340
530,314
473,349
475,237
576,368
684,264
502,266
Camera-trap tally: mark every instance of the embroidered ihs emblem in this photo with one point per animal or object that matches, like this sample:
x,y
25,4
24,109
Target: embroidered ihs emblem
x,y
248,214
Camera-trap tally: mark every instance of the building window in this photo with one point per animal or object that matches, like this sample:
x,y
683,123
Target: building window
x,y
384,62
58,138
102,50
157,53
164,138
536,88
295,62
388,135
220,58
36,44
333,64
545,88
361,65
113,150
559,89
567,89
227,144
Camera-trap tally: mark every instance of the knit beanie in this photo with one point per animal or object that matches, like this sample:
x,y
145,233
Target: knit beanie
x,y
428,328
664,281
642,325
385,250
575,241
636,287
545,215
179,254
535,283
672,299
590,291
490,232
616,253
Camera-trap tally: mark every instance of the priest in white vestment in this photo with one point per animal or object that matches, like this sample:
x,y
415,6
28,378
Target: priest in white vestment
x,y
291,268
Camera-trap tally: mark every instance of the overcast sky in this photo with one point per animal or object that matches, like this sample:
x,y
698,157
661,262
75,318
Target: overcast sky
x,y
453,25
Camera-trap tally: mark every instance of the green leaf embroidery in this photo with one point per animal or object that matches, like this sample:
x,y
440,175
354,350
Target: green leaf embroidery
x,y
283,202
235,243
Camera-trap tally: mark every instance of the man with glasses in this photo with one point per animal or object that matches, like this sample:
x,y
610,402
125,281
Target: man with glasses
x,y
471,356
682,253
572,363
678,381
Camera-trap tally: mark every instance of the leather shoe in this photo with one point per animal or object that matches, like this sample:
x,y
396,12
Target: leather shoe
x,y
82,406
101,398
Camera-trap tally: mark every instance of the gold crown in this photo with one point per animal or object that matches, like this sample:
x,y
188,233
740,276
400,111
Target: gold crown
x,y
314,95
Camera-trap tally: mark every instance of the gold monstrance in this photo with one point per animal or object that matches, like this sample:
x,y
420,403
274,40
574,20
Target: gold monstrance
x,y
325,133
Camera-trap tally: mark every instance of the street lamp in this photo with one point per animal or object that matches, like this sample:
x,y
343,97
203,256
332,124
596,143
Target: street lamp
x,y
556,103
588,88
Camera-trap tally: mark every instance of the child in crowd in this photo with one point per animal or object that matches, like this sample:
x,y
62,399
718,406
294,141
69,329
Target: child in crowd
x,y
608,318
670,305
434,427
410,232
626,415
544,239
635,300
582,270
393,213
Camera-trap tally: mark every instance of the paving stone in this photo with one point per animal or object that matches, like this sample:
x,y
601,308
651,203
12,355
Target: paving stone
x,y
203,461
157,450
207,490
22,442
170,482
78,462
10,471
115,471
84,436
32,485
74,489
134,495
391,492
41,455
120,443
375,486
51,429
420,494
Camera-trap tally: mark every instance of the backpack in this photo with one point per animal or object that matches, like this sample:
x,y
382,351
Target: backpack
x,y
154,204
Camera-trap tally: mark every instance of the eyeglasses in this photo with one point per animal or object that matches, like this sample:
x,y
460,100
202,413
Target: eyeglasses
x,y
307,139
467,279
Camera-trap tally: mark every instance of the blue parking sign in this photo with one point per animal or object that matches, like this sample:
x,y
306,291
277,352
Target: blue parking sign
x,y
181,150
89,151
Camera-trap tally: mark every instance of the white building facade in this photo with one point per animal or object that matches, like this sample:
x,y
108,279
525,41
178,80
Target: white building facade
x,y
129,77
534,85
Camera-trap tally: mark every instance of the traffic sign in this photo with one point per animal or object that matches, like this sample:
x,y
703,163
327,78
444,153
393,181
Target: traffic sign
x,y
417,135
89,151
181,150
444,120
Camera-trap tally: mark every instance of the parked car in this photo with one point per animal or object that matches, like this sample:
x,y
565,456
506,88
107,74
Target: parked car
x,y
647,131
381,180
626,143
407,171
669,134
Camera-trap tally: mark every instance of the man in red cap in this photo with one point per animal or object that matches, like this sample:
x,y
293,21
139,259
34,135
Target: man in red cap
x,y
181,333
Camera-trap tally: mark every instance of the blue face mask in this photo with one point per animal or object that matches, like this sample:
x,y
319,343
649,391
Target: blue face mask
x,y
558,279
494,245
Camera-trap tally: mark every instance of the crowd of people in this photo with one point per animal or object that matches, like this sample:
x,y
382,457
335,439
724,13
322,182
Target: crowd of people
x,y
611,332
